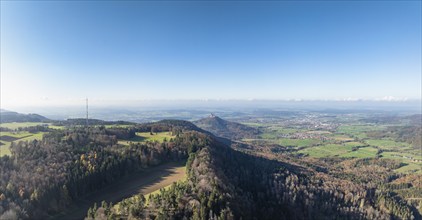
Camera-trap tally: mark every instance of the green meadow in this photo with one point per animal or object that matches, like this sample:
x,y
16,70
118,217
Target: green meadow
x,y
364,152
6,139
147,136
388,144
357,131
298,142
341,150
16,125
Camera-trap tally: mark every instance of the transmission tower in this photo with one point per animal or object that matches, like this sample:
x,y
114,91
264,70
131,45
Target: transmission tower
x,y
87,112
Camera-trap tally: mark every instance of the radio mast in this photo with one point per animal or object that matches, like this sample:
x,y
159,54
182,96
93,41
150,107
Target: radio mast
x,y
87,112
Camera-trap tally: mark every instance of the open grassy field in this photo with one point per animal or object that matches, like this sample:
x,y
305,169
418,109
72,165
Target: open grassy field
x,y
6,138
56,127
148,193
329,150
340,150
282,130
349,140
16,125
4,148
364,152
146,136
17,135
276,134
410,167
158,136
253,124
388,144
412,161
118,126
358,131
340,137
401,155
298,142
271,132
145,182
268,135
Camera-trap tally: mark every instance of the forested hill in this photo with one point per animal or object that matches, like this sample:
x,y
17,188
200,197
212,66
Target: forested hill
x,y
42,178
227,184
83,121
166,124
226,129
9,116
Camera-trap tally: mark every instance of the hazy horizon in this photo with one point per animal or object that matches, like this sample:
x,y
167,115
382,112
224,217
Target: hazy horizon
x,y
143,111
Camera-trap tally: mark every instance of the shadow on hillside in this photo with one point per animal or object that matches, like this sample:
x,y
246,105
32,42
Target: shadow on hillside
x,y
126,187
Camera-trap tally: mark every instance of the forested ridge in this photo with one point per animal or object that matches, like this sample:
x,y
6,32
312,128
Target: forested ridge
x,y
9,116
227,184
41,178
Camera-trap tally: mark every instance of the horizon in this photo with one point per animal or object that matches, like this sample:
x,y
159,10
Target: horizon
x,y
121,52
143,111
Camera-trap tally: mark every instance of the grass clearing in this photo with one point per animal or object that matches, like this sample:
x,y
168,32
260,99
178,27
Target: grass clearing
x,y
358,131
402,156
298,142
341,137
56,127
18,134
388,144
364,152
341,150
178,174
118,126
16,125
158,136
329,150
253,124
146,136
36,136
5,148
352,129
7,138
409,159
268,135
281,130
318,132
144,182
410,168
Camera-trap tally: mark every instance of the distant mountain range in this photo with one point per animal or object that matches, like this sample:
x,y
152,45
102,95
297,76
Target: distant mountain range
x,y
9,116
226,129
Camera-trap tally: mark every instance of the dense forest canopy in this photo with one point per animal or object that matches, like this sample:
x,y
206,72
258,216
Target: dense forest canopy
x,y
43,177
227,184
226,179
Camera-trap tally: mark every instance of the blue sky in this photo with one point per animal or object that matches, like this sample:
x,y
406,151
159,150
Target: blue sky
x,y
55,53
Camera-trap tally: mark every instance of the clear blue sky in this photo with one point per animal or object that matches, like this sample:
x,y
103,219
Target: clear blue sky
x,y
61,52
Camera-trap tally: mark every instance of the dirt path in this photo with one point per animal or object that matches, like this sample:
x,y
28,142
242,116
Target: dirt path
x,y
143,182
